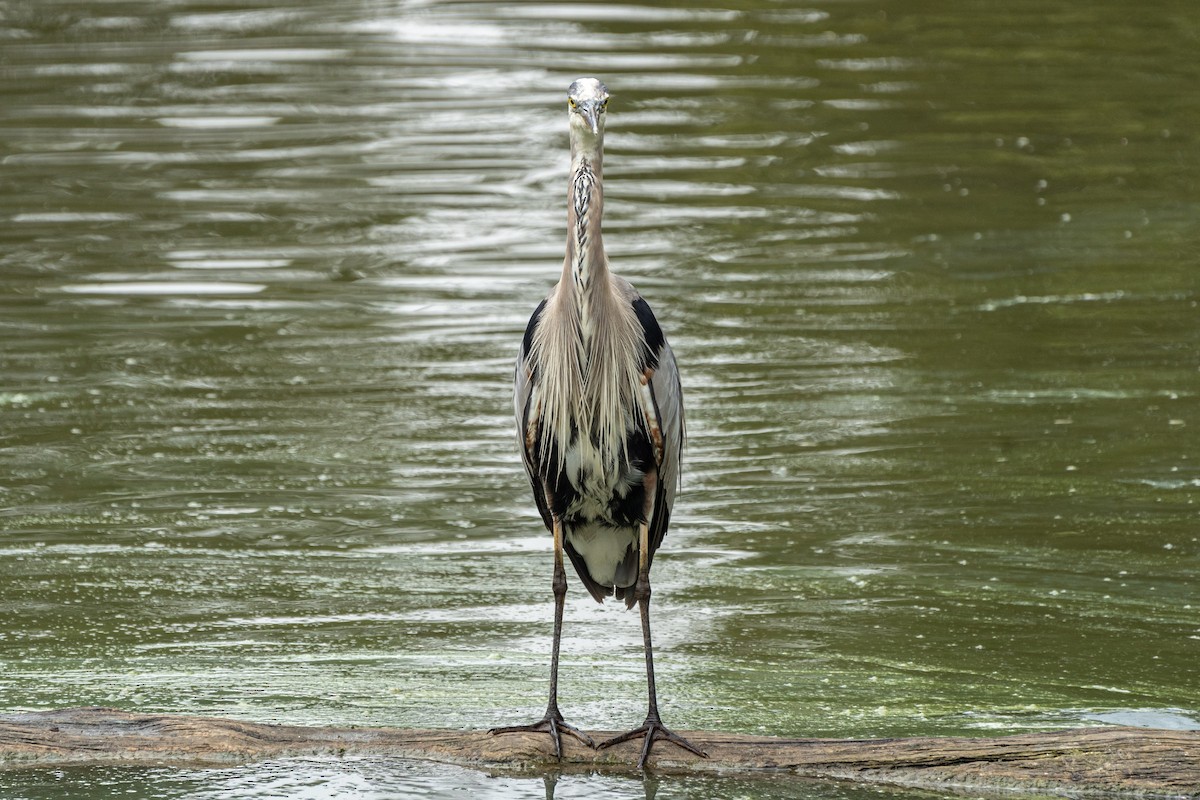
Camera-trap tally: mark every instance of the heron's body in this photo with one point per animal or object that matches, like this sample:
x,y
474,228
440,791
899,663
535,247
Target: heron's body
x,y
597,443
599,416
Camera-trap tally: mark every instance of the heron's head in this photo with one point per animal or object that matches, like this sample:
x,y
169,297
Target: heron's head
x,y
586,101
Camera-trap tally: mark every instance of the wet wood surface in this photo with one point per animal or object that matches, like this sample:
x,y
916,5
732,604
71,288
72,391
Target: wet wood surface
x,y
1128,761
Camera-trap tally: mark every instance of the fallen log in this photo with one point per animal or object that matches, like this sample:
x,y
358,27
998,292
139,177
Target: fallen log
x,y
1146,762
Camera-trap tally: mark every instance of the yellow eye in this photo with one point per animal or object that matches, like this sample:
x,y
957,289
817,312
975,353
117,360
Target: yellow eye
x,y
571,102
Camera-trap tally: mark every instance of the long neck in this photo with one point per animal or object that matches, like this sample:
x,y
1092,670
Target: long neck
x,y
588,343
586,265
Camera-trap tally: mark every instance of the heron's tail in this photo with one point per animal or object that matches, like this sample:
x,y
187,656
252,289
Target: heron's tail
x,y
624,577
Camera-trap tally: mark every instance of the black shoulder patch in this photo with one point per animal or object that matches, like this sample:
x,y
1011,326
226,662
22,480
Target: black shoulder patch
x,y
652,335
527,341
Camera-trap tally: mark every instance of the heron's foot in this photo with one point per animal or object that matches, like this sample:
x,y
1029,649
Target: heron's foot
x,y
552,724
652,730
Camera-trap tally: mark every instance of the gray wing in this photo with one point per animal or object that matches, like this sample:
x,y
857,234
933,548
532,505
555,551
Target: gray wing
x,y
666,397
527,409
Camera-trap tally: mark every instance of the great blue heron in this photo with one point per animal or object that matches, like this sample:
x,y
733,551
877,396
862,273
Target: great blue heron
x,y
599,421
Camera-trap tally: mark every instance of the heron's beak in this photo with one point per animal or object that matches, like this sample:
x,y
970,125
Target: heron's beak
x,y
591,115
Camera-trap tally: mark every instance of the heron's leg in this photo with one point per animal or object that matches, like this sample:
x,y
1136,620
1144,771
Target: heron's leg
x,y
553,723
653,728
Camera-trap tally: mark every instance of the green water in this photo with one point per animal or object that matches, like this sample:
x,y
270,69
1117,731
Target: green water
x,y
318,779
930,270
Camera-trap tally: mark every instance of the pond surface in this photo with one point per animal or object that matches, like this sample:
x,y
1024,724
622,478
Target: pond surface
x,y
320,779
930,270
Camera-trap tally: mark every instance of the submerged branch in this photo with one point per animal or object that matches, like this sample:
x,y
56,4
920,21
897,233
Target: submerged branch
x,y
1079,761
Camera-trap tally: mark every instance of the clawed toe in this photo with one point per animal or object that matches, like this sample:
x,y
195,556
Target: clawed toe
x,y
553,726
652,730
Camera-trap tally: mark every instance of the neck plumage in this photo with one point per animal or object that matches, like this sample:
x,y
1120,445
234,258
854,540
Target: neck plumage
x,y
588,344
586,266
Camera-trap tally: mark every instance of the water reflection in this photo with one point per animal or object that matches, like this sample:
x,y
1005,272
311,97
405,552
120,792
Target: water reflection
x,y
325,779
927,272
